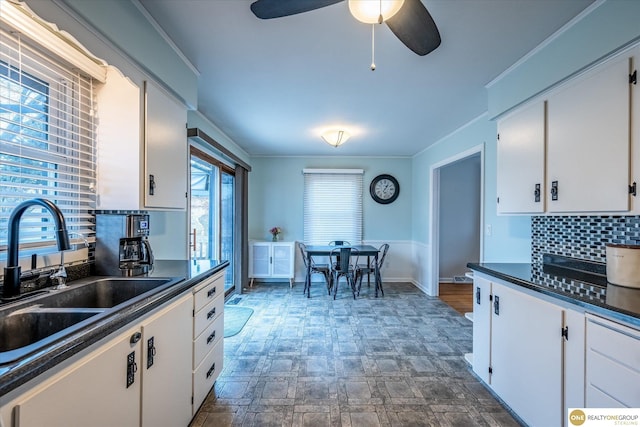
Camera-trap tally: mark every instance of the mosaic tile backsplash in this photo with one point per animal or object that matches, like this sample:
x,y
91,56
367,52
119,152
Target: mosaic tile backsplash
x,y
582,237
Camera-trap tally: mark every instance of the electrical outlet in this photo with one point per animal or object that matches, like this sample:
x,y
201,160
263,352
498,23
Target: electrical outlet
x,y
488,230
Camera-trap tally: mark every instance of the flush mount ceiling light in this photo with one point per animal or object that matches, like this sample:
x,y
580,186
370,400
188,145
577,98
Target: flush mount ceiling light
x,y
335,137
374,12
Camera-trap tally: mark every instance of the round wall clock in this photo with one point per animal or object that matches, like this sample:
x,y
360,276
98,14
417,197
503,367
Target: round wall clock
x,y
384,189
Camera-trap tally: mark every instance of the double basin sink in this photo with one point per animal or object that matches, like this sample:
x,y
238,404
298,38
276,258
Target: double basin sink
x,y
33,324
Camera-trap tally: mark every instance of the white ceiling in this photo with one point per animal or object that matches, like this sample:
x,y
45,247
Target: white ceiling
x,y
273,85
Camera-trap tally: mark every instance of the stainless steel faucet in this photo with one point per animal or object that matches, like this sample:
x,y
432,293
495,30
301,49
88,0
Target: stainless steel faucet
x,y
11,286
61,275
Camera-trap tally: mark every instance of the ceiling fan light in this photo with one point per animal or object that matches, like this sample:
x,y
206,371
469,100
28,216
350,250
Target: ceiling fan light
x,y
368,11
336,137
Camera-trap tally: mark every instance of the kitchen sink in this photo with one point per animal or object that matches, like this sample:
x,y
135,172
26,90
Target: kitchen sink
x,y
32,324
24,328
102,293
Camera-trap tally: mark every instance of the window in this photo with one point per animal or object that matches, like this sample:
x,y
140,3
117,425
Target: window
x,y
332,205
47,140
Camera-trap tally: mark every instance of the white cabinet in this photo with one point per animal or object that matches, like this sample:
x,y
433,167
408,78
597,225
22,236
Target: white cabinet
x,y
588,141
526,355
272,260
140,377
207,337
166,150
574,143
92,392
520,162
141,147
527,346
482,327
613,364
166,366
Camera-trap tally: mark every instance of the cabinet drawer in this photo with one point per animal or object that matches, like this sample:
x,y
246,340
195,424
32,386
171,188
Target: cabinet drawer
x,y
613,362
207,340
206,374
210,289
207,315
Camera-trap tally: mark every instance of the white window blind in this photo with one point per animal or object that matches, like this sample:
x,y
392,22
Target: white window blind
x,y
332,206
47,140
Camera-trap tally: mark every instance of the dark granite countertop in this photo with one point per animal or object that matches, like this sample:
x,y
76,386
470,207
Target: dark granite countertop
x,y
189,273
605,299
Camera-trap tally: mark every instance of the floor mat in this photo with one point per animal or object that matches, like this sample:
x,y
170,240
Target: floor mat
x,y
235,318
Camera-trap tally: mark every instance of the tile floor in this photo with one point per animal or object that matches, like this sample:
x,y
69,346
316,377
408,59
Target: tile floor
x,y
391,361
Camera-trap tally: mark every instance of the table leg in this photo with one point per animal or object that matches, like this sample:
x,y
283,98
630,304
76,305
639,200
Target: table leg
x,y
307,282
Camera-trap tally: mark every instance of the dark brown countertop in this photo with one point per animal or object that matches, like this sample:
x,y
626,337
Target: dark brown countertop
x,y
189,273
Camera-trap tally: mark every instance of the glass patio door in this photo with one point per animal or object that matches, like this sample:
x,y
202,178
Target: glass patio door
x,y
212,211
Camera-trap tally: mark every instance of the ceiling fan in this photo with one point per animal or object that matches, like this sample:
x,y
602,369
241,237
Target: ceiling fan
x,y
409,20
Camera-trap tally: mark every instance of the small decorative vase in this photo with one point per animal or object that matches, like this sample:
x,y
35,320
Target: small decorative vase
x,y
274,238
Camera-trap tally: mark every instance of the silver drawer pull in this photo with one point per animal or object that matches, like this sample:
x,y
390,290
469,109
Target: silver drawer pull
x,y
211,313
211,292
211,370
211,337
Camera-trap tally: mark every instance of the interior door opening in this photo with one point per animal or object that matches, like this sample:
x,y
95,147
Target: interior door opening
x,y
437,234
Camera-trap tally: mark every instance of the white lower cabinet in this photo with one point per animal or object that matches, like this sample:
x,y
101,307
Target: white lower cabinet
x,y
525,346
272,260
482,327
526,355
92,392
142,376
613,364
208,336
166,373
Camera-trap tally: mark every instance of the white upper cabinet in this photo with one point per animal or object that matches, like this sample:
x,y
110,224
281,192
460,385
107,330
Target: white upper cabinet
x,y
575,144
589,141
521,150
166,150
142,147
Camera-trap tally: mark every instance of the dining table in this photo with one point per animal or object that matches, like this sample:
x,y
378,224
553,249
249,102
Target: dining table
x,y
324,251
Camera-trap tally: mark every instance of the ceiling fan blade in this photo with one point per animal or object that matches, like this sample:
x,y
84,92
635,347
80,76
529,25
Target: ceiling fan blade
x,y
267,9
415,27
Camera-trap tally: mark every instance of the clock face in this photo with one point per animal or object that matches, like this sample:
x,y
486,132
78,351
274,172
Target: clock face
x,y
384,189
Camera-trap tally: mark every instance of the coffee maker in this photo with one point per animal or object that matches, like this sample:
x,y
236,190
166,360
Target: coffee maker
x,y
122,244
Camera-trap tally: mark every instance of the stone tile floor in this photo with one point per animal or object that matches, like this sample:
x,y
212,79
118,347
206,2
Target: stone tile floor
x,y
391,361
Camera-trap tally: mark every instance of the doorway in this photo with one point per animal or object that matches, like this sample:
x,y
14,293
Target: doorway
x,y
212,211
456,216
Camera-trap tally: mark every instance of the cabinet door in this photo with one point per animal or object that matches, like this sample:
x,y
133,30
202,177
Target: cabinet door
x,y
526,355
165,150
93,392
260,259
520,164
588,141
166,365
118,144
481,327
282,259
574,366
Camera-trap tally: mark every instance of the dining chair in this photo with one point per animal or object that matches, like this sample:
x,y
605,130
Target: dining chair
x,y
342,261
370,267
315,268
339,243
